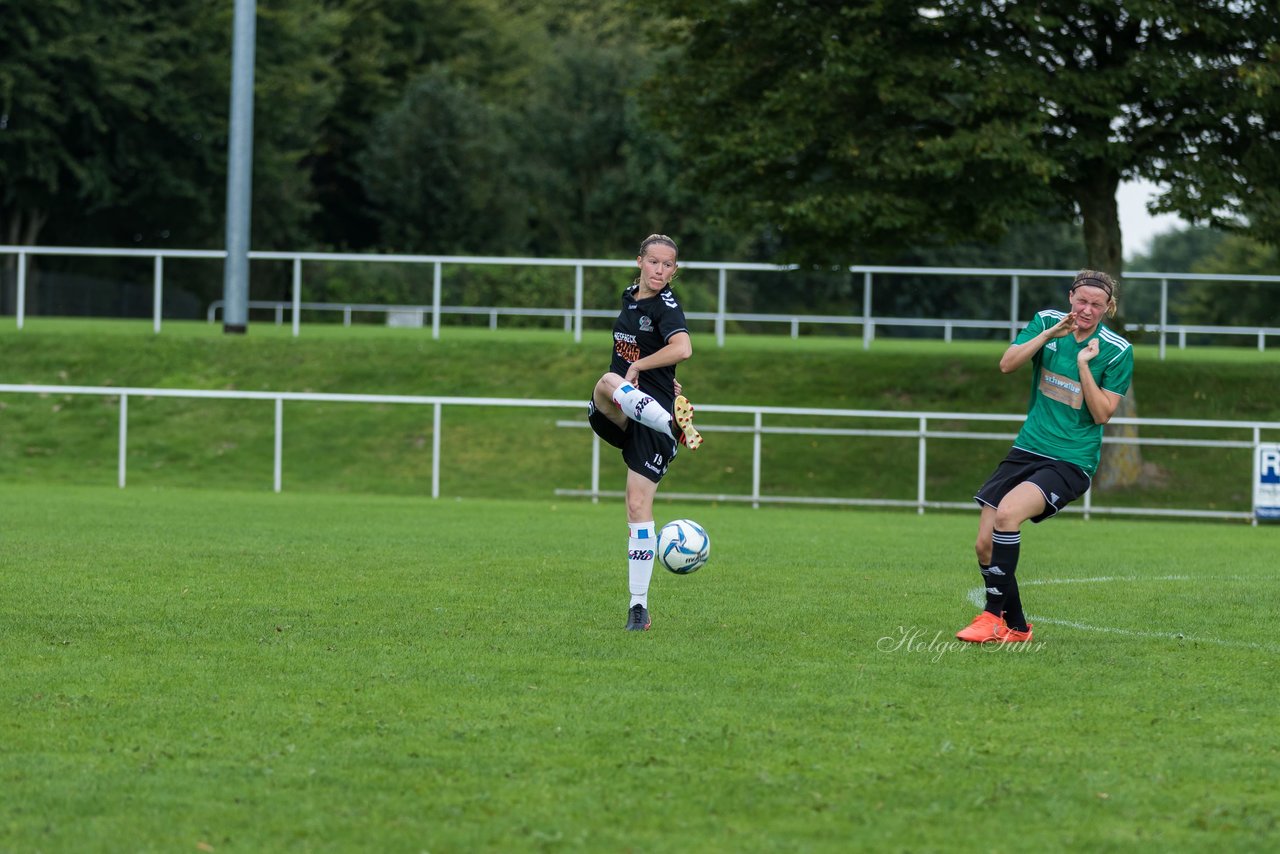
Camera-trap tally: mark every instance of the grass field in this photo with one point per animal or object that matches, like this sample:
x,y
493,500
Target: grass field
x,y
493,453
222,670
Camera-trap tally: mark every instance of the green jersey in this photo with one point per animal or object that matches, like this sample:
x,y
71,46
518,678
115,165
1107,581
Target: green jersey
x,y
1058,422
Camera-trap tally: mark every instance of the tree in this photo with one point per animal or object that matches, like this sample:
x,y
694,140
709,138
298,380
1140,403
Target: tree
x,y
545,154
385,48
102,111
1240,304
1178,251
434,169
853,128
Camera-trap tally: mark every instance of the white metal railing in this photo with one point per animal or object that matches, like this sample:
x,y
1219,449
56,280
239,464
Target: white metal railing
x,y
794,321
920,430
721,316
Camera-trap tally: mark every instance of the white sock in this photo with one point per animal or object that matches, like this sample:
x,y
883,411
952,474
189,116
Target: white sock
x,y
640,551
638,406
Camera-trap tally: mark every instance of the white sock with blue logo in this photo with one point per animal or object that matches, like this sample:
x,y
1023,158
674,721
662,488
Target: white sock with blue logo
x,y
639,406
640,551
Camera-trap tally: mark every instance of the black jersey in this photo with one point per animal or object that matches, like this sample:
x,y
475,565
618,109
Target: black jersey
x,y
644,327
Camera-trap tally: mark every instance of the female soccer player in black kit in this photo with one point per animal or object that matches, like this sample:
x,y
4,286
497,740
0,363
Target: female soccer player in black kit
x,y
637,405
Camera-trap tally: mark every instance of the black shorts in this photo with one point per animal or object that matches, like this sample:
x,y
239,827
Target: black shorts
x,y
1060,482
646,452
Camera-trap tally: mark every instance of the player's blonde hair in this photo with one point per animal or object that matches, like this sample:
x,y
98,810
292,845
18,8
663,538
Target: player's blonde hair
x,y
656,238
1100,280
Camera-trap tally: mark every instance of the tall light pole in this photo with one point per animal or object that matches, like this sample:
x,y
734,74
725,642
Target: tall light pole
x,y
235,279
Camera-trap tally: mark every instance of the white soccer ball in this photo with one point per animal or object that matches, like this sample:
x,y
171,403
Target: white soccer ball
x,y
683,546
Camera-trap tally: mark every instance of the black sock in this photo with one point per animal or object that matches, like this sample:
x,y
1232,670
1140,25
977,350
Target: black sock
x,y
1013,616
995,589
1005,546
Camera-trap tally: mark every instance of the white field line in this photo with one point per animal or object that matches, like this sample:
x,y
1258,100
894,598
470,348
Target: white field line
x,y
977,596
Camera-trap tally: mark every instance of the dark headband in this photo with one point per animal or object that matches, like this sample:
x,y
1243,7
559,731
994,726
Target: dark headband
x,y
1094,281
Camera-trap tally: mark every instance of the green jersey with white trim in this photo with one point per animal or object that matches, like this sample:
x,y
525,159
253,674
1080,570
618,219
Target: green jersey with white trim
x,y
1058,422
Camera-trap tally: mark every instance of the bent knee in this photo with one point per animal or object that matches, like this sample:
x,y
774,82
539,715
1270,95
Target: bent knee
x,y
1010,520
608,383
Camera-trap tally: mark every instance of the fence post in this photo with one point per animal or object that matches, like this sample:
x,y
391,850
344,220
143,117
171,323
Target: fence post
x,y
755,460
297,295
720,307
21,308
1014,316
1164,313
435,447
920,467
157,293
124,436
595,469
577,303
279,443
435,303
868,332
1257,440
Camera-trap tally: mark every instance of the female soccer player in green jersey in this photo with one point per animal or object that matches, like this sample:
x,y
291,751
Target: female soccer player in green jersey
x,y
1080,371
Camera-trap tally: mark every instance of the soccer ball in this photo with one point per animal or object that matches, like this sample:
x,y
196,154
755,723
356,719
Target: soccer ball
x,y
683,546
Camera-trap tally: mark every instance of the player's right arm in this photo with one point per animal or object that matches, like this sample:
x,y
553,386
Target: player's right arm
x,y
1019,354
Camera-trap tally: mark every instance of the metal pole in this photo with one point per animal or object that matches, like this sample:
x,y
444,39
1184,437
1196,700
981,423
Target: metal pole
x,y
867,331
1164,313
235,281
595,469
297,295
1257,472
921,456
755,460
1013,308
124,437
279,455
577,304
435,451
720,308
157,293
21,308
435,308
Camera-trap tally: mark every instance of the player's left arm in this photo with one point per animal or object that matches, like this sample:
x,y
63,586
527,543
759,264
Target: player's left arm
x,y
1102,403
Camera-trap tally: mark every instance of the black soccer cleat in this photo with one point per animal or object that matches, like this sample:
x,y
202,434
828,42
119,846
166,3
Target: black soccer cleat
x,y
638,619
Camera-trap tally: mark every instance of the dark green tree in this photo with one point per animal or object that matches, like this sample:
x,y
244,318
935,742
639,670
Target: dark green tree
x,y
1237,304
384,49
113,123
854,129
105,122
857,128
436,172
1181,250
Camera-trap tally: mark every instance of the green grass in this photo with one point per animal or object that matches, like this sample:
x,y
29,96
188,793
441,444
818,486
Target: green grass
x,y
503,453
239,671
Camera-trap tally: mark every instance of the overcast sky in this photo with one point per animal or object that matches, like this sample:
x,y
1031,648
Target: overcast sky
x,y
1137,227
